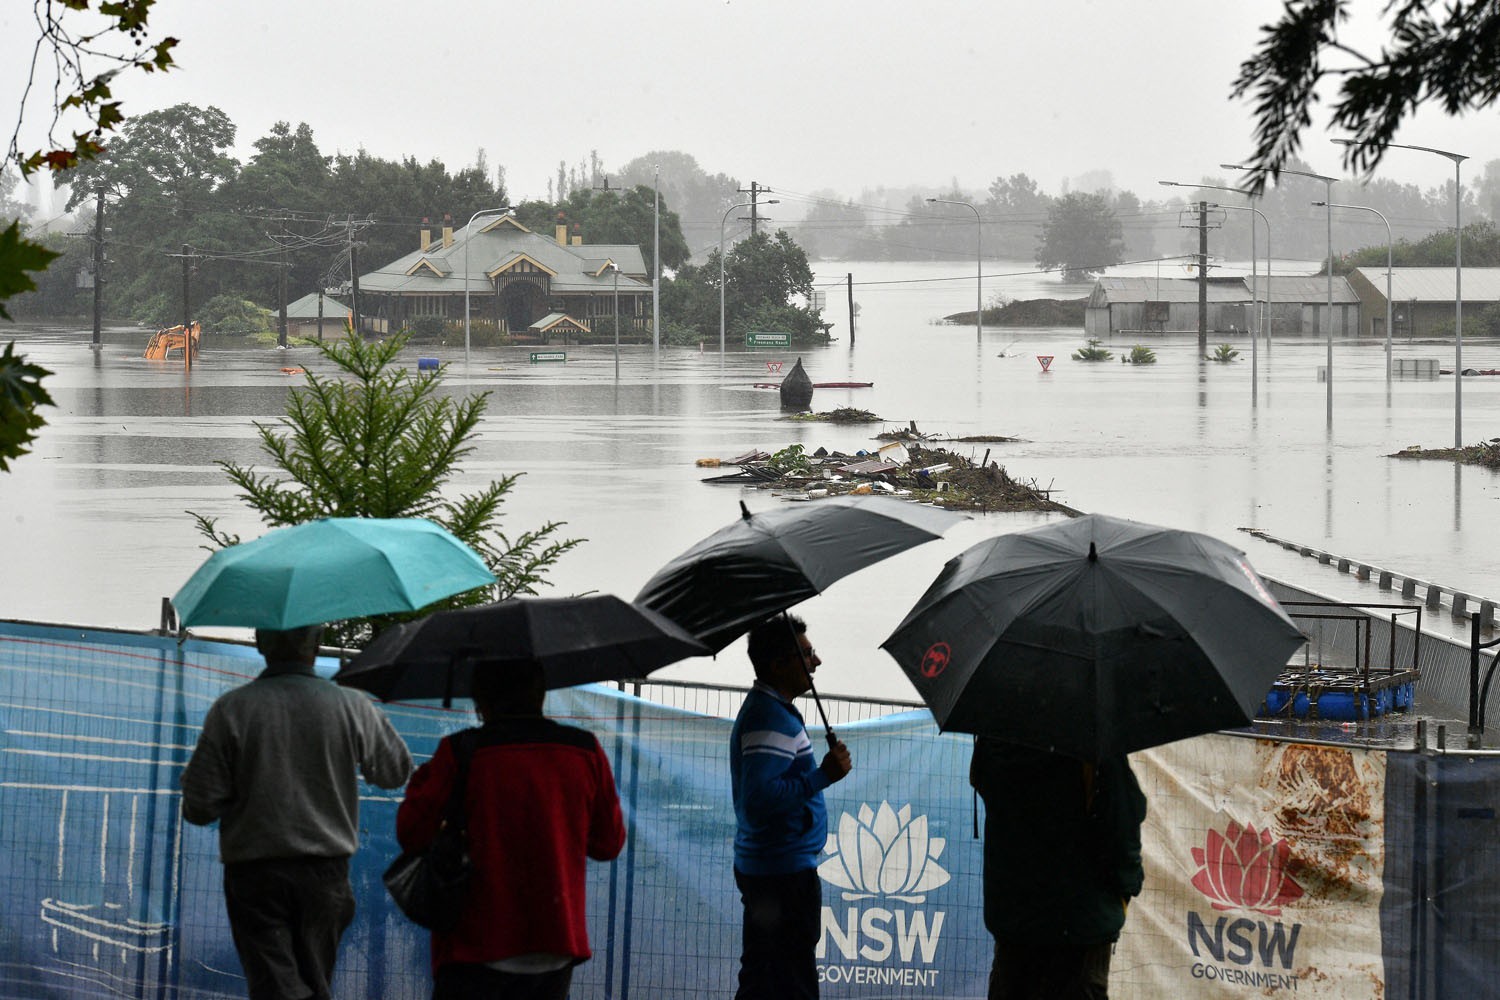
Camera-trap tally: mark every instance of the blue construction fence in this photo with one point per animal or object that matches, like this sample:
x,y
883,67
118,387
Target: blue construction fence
x,y
105,892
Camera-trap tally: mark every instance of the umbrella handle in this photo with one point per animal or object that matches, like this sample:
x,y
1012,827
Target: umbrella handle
x,y
832,739
807,672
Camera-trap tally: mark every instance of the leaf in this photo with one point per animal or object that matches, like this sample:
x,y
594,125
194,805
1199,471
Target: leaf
x,y
21,393
17,256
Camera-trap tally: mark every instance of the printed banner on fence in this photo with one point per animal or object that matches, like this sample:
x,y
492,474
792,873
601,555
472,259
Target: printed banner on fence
x,y
1263,872
105,889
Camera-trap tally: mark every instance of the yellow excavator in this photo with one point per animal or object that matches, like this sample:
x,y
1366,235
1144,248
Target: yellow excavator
x,y
179,341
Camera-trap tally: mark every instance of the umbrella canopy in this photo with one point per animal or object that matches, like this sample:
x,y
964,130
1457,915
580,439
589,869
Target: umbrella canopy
x,y
1095,636
577,640
763,564
328,570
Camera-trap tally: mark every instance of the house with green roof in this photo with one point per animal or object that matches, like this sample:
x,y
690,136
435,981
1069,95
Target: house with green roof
x,y
314,319
513,277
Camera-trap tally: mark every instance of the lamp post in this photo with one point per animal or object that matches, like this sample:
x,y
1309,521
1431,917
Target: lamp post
x,y
1390,253
655,260
1328,183
978,262
467,236
727,212
616,269
1458,275
1265,309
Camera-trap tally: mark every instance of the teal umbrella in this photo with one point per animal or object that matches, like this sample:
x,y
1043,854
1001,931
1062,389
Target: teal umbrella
x,y
329,570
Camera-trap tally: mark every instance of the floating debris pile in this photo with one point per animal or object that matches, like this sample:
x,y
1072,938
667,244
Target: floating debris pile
x,y
913,470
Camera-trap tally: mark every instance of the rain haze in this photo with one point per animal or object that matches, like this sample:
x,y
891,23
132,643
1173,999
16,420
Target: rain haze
x,y
835,97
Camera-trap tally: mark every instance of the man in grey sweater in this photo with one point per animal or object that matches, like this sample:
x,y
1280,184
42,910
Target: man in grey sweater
x,y
276,765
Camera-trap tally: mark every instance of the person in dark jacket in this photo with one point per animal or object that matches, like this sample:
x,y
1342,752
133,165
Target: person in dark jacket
x,y
1062,858
540,801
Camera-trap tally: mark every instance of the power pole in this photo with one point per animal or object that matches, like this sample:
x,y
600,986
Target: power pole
x,y
849,280
1203,278
354,275
187,287
755,192
281,295
98,266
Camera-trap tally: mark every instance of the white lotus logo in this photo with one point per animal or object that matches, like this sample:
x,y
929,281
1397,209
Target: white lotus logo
x,y
884,853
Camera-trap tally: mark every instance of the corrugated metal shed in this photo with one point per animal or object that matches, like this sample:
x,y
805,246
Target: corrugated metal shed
x,y
1307,289
1435,284
1114,291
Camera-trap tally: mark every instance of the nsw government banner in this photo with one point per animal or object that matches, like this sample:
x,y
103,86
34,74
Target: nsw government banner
x,y
1263,872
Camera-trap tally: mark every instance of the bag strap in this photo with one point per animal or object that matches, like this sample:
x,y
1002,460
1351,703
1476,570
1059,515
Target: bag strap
x,y
454,814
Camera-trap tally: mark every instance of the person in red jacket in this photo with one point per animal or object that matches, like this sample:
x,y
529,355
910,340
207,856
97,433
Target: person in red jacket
x,y
540,800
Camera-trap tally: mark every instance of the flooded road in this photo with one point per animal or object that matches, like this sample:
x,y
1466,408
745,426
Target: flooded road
x,y
94,531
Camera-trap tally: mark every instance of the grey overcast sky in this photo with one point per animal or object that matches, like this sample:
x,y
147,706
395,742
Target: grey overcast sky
x,y
801,95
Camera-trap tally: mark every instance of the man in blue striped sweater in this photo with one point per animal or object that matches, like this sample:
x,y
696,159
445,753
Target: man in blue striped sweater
x,y
781,823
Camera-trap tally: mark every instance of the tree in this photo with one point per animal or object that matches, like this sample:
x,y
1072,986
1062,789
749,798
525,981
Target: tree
x,y
405,193
10,208
1449,56
163,175
374,440
699,198
834,229
1081,237
613,216
76,86
762,275
74,56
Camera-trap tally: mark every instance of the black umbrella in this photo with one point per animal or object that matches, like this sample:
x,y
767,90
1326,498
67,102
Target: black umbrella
x,y
577,640
763,564
1095,636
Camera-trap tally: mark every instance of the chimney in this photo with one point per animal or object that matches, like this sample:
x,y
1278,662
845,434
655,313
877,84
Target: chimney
x,y
562,230
426,234
577,234
447,231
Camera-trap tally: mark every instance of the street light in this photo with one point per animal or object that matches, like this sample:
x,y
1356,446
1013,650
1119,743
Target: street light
x,y
1390,253
1328,182
616,269
722,222
978,262
467,237
1266,309
655,259
1458,275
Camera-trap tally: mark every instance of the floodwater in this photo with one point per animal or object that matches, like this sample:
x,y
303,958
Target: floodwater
x,y
94,531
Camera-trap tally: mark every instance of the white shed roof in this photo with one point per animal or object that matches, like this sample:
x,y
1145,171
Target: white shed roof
x,y
1436,284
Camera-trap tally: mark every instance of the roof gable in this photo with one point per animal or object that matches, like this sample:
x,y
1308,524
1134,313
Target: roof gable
x,y
503,221
427,264
516,261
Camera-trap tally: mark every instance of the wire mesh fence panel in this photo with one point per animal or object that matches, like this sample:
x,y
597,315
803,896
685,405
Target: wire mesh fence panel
x,y
104,892
107,893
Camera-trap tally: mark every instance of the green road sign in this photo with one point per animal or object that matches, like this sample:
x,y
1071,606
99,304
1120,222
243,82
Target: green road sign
x,y
768,340
548,356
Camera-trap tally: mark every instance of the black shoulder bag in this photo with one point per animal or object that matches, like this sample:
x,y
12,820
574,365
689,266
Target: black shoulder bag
x,y
430,886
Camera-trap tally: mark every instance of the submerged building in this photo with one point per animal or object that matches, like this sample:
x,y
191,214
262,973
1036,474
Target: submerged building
x,y
513,278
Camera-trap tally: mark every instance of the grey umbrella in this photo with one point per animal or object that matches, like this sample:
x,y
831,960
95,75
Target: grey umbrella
x,y
762,564
1095,636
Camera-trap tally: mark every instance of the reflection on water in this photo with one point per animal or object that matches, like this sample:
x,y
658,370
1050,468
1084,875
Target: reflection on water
x,y
95,515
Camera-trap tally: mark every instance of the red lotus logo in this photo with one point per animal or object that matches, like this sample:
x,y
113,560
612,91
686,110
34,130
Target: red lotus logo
x,y
1243,869
935,660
